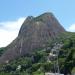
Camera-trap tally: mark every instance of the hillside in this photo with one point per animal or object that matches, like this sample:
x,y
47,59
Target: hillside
x,y
37,64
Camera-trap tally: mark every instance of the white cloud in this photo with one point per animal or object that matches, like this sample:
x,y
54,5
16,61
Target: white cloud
x,y
9,31
72,28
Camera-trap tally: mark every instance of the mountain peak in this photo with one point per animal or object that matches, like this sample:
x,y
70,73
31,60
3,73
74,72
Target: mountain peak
x,y
35,32
47,14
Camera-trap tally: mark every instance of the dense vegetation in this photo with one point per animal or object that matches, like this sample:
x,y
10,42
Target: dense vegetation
x,y
37,64
2,50
67,54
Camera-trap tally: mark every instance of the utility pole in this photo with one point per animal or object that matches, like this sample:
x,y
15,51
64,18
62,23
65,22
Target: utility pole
x,y
54,58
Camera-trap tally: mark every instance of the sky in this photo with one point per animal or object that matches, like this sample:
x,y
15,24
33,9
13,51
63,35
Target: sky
x,y
14,12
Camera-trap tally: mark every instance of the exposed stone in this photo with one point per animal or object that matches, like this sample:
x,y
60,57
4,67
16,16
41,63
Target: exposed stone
x,y
35,32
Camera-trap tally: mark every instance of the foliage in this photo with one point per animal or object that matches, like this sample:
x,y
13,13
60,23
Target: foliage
x,y
2,50
67,54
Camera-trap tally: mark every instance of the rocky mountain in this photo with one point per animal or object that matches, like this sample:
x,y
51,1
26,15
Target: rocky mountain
x,y
35,33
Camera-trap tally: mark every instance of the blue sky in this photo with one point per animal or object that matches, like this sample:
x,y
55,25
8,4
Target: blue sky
x,y
14,12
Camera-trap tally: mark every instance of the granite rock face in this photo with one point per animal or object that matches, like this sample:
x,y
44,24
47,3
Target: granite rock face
x,y
34,33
